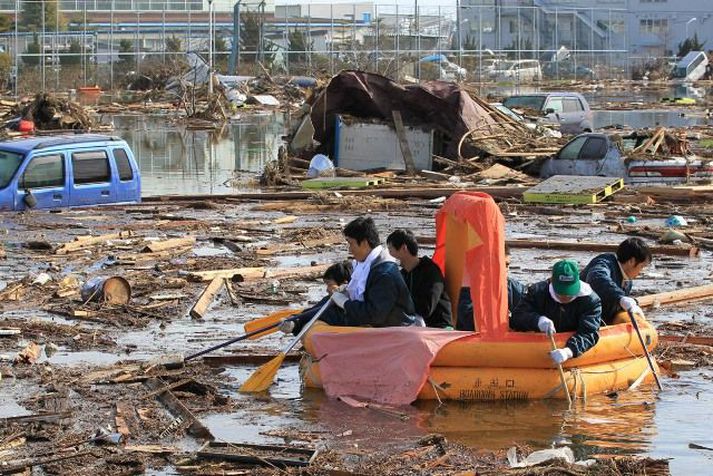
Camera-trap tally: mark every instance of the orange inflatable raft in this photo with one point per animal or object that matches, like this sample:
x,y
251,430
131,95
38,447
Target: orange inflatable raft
x,y
520,368
495,363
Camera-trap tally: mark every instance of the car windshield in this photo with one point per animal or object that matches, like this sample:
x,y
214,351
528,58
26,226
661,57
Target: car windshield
x,y
9,163
509,112
529,102
680,72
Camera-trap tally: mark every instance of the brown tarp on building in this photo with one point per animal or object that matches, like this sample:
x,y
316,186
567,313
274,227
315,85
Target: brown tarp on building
x,y
439,105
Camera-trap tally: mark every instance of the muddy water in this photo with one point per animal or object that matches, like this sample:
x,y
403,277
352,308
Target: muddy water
x,y
175,160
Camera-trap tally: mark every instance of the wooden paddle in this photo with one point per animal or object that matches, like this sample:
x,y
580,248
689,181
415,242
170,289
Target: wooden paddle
x,y
562,377
267,322
646,350
263,377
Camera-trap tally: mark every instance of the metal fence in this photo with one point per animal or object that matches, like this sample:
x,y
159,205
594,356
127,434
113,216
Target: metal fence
x,y
88,45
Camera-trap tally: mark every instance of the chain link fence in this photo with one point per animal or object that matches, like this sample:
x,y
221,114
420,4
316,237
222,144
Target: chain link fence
x,y
85,43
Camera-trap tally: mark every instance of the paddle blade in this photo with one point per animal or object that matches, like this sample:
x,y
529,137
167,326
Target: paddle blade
x,y
263,377
267,321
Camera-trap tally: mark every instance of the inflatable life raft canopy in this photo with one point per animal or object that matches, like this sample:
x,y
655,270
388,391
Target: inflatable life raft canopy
x,y
470,247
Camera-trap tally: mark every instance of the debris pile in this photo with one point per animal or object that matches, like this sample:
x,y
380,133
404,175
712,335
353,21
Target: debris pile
x,y
52,113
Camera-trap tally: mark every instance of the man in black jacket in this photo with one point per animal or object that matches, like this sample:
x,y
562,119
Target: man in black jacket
x,y
611,276
376,294
423,279
561,304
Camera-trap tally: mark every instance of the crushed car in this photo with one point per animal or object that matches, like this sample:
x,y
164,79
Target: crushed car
x,y
639,157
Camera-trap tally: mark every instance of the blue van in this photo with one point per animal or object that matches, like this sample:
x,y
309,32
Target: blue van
x,y
67,171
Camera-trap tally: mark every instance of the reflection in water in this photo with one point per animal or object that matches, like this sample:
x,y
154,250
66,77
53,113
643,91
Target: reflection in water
x,y
640,118
177,160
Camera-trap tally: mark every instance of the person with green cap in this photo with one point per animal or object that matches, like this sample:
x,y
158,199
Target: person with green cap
x,y
562,303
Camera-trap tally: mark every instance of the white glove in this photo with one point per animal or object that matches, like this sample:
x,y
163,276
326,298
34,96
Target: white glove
x,y
559,356
630,304
546,325
287,326
339,299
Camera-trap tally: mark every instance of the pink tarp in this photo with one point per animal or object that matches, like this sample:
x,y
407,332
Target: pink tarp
x,y
387,365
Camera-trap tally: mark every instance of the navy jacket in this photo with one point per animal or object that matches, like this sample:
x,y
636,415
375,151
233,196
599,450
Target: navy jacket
x,y
583,315
428,291
606,279
387,301
516,290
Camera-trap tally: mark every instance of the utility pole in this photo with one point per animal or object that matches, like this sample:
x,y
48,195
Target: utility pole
x,y
210,48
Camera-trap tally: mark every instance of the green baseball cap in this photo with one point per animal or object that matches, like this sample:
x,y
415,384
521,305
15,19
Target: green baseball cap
x,y
565,278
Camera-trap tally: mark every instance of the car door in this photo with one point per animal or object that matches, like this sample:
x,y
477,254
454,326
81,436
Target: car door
x,y
45,179
91,178
565,162
555,107
592,157
572,115
128,189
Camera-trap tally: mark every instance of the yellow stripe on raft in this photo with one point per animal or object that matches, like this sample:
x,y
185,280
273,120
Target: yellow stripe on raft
x,y
462,383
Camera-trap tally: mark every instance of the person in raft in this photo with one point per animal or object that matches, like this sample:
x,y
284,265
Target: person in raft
x,y
376,294
423,278
335,276
561,304
516,290
611,276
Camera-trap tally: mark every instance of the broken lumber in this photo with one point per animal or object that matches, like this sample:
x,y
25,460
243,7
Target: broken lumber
x,y
169,244
497,192
207,296
253,274
687,295
687,339
669,250
403,142
292,247
81,242
171,386
178,409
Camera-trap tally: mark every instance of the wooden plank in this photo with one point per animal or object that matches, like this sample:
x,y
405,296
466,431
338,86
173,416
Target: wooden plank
x,y
242,274
687,295
341,182
500,192
178,409
170,244
696,340
292,247
254,274
171,386
668,250
403,142
86,241
207,296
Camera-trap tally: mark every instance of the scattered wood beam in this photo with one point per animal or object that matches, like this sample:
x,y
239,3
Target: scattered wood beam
x,y
687,295
669,250
207,296
81,242
173,243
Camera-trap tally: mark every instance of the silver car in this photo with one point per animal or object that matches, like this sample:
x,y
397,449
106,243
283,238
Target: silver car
x,y
570,110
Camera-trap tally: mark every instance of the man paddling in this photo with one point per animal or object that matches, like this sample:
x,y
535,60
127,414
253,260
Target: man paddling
x,y
376,294
423,278
561,304
611,276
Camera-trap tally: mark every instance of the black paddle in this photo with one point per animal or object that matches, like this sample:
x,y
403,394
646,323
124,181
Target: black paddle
x,y
236,339
646,351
